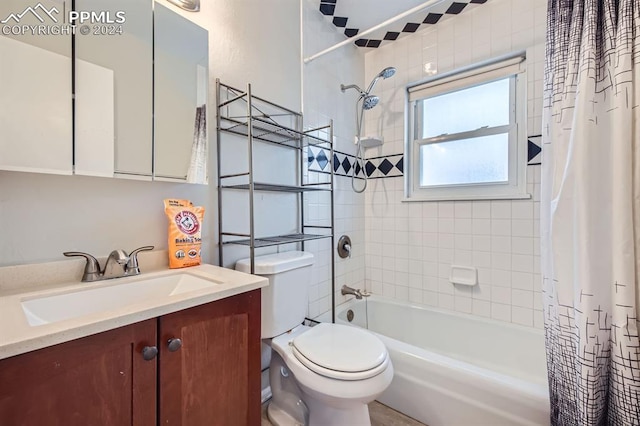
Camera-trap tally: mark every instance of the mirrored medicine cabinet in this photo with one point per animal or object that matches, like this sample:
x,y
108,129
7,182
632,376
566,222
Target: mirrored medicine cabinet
x,y
120,98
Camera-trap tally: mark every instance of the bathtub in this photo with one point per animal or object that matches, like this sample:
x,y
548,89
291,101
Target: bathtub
x,y
453,369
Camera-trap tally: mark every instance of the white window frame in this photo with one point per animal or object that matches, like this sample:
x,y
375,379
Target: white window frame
x,y
511,66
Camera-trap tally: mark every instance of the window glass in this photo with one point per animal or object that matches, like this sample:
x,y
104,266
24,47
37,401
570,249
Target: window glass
x,y
485,105
465,161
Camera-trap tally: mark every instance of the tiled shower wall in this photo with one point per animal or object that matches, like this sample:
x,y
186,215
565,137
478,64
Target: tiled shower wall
x,y
410,246
323,101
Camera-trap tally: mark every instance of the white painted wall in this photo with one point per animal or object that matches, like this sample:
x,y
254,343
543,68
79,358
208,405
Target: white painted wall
x,y
410,246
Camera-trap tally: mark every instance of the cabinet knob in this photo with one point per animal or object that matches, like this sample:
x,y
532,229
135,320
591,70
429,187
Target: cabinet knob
x,y
174,344
149,352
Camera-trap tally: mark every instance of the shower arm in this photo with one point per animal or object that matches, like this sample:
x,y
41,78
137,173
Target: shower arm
x,y
344,88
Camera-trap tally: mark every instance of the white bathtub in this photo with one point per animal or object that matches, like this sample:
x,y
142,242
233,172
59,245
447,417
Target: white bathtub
x,y
453,369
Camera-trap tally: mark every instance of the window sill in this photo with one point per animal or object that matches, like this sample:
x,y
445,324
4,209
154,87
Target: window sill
x,y
467,198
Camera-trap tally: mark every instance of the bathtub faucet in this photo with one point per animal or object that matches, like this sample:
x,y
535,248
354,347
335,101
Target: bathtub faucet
x,y
359,294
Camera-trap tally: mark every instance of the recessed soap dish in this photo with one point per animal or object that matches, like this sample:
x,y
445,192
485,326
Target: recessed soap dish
x,y
463,275
371,142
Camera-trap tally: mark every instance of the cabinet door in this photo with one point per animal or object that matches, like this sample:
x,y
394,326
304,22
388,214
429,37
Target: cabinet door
x,y
214,378
94,381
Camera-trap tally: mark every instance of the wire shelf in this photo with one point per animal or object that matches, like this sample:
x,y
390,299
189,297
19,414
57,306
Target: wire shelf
x,y
268,131
276,188
278,240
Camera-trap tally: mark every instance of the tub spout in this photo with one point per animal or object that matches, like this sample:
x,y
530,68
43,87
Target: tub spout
x,y
359,294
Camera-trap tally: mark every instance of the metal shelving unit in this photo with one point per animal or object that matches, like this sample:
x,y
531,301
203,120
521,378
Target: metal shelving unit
x,y
240,113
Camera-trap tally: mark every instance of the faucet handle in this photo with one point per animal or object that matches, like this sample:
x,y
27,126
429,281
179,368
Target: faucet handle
x,y
132,265
91,268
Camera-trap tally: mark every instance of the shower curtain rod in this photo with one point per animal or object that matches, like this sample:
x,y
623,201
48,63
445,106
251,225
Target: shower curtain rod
x,y
390,21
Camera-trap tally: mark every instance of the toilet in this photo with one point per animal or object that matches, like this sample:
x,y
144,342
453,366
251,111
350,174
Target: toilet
x,y
323,375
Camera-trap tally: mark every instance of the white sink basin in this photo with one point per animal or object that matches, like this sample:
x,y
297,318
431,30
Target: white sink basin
x,y
113,295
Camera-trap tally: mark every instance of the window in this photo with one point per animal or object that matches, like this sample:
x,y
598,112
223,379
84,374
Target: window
x,y
466,136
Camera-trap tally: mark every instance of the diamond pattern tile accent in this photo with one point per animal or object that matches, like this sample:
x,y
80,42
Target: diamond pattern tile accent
x,y
410,27
432,18
351,32
322,160
385,166
328,8
456,7
346,164
370,168
400,165
340,21
391,35
534,150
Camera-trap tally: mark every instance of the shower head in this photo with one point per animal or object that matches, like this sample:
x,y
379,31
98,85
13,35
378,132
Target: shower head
x,y
369,102
385,73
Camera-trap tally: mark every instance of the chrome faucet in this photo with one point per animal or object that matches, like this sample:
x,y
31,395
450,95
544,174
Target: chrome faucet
x,y
118,264
359,294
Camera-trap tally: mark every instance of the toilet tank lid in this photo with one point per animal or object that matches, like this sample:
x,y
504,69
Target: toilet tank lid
x,y
276,263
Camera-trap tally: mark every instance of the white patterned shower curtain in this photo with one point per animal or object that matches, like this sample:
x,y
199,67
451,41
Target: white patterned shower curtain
x,y
197,172
590,211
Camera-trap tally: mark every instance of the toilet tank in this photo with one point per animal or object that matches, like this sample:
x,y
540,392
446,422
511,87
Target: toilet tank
x,y
285,300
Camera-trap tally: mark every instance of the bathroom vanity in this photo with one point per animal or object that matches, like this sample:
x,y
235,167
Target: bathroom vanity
x,y
189,357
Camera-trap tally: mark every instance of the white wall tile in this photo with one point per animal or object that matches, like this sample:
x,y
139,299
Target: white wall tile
x,y
501,312
481,308
500,238
522,316
481,209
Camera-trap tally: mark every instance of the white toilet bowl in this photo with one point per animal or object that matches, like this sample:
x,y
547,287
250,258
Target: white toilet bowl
x,y
338,370
319,376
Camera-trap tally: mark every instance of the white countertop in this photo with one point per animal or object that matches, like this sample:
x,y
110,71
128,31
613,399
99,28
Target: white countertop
x,y
17,336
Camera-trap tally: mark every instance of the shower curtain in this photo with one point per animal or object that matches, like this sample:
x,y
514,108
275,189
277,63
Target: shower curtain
x,y
590,211
198,166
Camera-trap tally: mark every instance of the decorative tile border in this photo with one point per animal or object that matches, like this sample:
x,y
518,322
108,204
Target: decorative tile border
x,y
343,164
384,167
534,150
328,8
387,166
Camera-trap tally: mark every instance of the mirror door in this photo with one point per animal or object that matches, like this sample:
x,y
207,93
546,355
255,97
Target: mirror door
x,y
35,88
181,74
114,91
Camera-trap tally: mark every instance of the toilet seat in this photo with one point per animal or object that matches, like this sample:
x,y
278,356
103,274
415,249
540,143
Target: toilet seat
x,y
340,352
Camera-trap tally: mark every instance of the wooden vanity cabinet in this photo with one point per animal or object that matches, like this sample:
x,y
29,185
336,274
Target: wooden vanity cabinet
x,y
212,377
98,380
